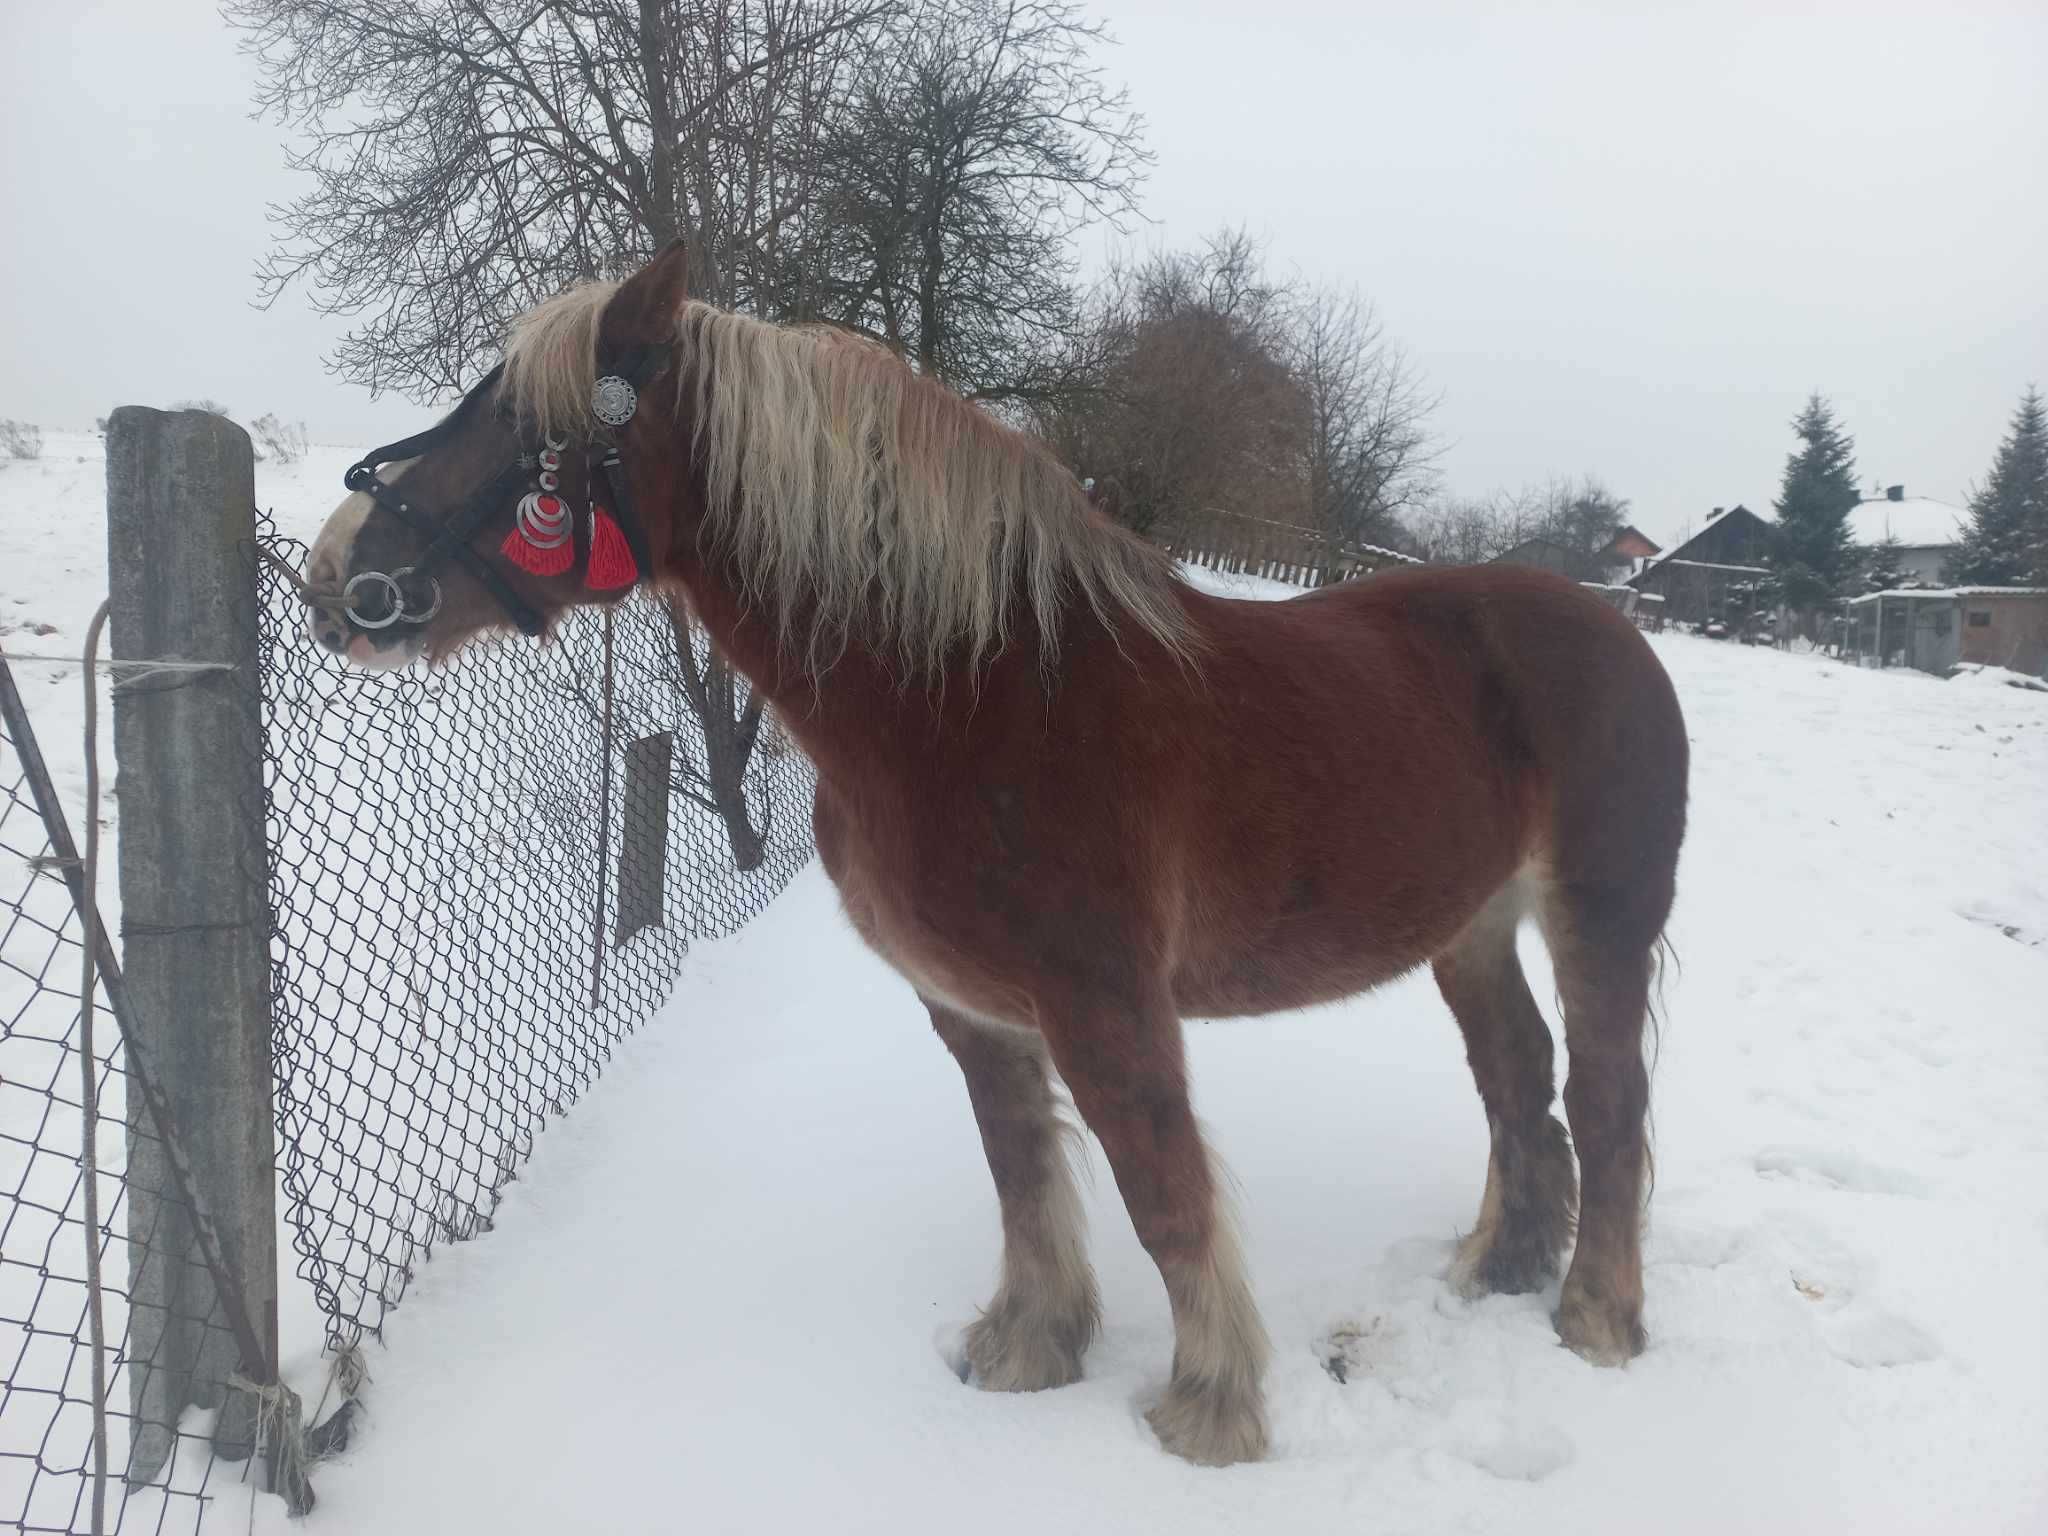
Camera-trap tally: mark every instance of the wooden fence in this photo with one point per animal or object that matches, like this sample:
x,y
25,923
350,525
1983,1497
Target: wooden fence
x,y
1255,546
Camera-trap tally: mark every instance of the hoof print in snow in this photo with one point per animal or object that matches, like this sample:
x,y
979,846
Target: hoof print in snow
x,y
1835,1168
1342,1350
1880,1340
1526,1454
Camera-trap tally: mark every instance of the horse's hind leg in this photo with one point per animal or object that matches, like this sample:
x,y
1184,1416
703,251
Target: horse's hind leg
x,y
1603,976
1126,1070
1525,1216
1045,1309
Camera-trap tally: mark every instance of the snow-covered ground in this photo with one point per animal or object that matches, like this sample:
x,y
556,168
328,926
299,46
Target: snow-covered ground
x,y
723,1295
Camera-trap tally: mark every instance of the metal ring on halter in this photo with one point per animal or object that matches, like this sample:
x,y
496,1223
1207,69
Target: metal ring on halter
x,y
398,580
348,600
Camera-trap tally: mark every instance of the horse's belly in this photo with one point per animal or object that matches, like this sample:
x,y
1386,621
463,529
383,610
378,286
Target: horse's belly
x,y
1272,978
1321,940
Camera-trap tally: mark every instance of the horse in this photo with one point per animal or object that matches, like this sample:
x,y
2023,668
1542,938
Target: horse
x,y
1075,801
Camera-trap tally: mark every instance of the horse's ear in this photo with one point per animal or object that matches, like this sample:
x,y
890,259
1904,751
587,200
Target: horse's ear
x,y
644,308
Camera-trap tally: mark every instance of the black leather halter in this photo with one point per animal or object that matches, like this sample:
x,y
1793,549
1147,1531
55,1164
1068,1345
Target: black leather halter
x,y
448,538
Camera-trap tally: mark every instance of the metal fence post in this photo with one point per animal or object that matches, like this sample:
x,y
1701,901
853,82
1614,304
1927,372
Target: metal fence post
x,y
194,899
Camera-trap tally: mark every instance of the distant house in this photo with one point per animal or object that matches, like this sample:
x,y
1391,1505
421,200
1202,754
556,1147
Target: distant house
x,y
1549,555
1626,553
1714,574
1934,630
1927,531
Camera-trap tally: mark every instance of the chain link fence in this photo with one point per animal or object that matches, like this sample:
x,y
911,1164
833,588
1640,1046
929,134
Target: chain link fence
x,y
483,875
161,1474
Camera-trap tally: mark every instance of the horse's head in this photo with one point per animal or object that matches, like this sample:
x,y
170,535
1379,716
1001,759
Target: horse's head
x,y
521,502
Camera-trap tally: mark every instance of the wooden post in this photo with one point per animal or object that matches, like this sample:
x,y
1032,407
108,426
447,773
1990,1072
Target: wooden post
x,y
181,509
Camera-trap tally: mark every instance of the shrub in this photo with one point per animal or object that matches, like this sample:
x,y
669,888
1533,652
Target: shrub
x,y
21,440
284,441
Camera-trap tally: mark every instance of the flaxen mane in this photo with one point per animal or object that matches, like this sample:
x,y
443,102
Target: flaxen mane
x,y
851,491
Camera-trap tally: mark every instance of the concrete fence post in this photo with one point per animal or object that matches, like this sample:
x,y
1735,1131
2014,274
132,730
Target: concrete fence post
x,y
195,906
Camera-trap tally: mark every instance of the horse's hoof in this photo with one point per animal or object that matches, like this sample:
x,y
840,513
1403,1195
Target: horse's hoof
x,y
1211,1428
1004,1353
1599,1336
1486,1264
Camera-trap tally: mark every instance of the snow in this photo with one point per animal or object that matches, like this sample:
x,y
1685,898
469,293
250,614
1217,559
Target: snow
x,y
1916,522
1927,592
1394,555
723,1294
1237,584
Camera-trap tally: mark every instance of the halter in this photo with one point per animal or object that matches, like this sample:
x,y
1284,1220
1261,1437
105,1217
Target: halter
x,y
614,398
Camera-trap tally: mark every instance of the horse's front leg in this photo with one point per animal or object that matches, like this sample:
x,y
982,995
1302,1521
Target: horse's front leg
x,y
1045,1309
1125,1067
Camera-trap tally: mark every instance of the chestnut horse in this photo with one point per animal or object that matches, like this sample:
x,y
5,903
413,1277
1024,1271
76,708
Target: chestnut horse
x,y
1074,801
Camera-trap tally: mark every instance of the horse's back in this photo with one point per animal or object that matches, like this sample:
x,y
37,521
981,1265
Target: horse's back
x,y
1570,693
1388,753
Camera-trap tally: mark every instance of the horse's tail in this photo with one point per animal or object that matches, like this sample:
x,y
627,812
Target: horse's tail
x,y
1663,960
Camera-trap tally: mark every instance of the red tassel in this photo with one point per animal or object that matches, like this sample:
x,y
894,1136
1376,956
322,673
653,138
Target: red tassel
x,y
611,557
529,556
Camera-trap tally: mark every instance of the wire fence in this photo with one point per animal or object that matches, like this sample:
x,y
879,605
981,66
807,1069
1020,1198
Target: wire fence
x,y
482,876
162,1474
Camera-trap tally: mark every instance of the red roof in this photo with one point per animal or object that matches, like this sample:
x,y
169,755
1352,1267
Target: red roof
x,y
1632,543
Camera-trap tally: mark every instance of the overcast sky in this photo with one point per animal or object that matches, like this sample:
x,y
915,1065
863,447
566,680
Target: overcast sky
x,y
1617,242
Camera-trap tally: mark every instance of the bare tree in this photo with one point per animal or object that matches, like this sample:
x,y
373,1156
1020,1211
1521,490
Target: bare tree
x,y
21,439
1460,530
718,783
284,441
1579,516
1582,514
1191,404
1216,385
470,157
1366,446
979,137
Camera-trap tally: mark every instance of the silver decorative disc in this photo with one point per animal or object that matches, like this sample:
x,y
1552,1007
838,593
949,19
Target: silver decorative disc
x,y
613,400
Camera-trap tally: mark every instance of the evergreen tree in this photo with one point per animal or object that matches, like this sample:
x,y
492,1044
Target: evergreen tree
x,y
1811,557
1884,570
2005,543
